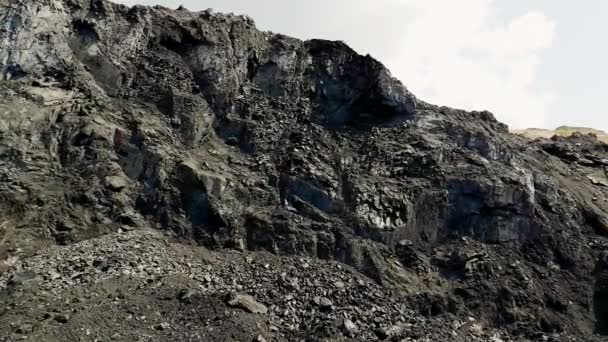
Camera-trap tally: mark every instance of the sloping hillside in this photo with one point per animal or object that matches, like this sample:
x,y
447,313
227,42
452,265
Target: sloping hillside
x,y
564,131
169,175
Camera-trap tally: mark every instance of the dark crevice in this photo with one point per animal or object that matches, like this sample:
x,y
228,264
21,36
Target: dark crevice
x,y
600,306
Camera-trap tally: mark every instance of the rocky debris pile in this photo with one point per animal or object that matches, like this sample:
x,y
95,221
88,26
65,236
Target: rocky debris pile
x,y
142,286
115,119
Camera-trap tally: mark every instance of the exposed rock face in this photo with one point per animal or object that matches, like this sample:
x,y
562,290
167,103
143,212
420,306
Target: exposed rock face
x,y
115,118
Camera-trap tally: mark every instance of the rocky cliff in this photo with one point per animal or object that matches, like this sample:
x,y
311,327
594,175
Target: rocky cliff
x,y
298,176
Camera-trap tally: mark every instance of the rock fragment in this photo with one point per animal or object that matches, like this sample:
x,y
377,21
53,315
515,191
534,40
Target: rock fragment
x,y
186,295
246,302
24,329
349,328
116,183
162,326
61,318
259,338
324,303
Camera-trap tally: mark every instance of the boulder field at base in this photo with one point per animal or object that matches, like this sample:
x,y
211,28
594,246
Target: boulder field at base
x,y
168,175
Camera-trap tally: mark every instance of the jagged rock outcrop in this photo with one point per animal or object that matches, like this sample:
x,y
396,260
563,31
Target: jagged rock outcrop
x,y
115,119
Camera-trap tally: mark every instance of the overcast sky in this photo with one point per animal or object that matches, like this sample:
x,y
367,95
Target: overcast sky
x,y
533,63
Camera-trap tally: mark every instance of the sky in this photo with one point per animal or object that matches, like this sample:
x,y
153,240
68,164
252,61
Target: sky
x,y
533,63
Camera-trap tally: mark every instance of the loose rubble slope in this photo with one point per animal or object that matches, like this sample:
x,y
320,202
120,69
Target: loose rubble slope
x,y
116,120
141,286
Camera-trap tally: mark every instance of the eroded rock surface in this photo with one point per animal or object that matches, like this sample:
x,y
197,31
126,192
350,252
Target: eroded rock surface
x,y
117,119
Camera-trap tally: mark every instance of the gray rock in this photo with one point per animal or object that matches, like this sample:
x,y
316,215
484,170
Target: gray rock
x,y
162,326
259,338
186,295
392,331
349,328
324,303
246,302
116,183
61,318
24,329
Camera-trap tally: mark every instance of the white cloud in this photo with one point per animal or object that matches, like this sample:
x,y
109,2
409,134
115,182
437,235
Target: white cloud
x,y
458,53
454,53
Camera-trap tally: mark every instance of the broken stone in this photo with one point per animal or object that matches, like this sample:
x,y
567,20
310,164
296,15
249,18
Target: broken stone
x,y
247,303
349,328
186,295
24,329
162,326
392,331
259,338
61,318
598,179
324,303
116,183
